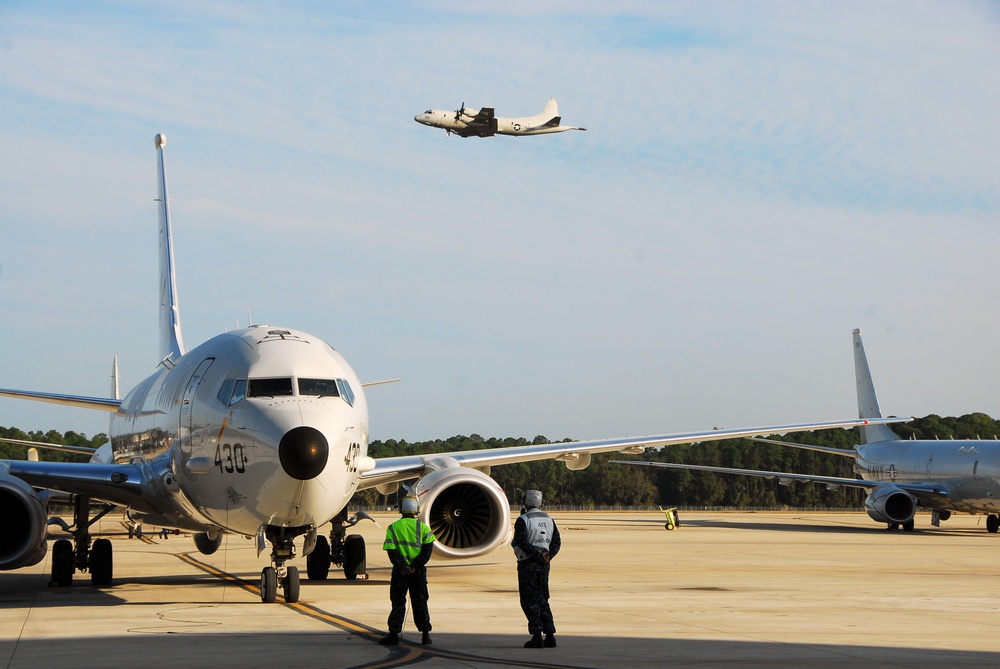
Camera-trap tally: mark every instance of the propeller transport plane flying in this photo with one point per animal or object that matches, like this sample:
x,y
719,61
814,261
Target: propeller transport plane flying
x,y
261,432
945,476
484,123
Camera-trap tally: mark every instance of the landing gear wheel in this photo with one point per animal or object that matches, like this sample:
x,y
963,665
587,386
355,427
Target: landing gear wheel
x,y
992,523
908,526
318,562
62,563
893,526
354,556
268,585
290,584
101,563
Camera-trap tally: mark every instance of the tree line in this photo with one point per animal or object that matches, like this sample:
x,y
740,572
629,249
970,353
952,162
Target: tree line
x,y
605,484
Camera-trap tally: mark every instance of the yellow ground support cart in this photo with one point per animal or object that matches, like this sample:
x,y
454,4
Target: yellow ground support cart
x,y
673,522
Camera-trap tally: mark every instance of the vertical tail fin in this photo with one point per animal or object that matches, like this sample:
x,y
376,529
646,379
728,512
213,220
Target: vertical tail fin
x,y
171,341
867,401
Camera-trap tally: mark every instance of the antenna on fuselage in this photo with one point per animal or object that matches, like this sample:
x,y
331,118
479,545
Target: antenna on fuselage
x,y
171,340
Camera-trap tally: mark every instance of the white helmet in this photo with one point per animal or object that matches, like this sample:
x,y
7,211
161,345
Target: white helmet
x,y
532,498
409,505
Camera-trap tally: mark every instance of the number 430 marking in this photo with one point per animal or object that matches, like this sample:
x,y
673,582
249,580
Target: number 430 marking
x,y
230,458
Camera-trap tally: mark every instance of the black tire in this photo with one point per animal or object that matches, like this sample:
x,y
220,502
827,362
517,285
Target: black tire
x,y
268,585
355,564
992,523
908,526
102,564
62,563
318,562
290,584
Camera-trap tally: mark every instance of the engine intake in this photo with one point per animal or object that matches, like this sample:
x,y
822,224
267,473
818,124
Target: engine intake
x,y
891,505
23,527
466,509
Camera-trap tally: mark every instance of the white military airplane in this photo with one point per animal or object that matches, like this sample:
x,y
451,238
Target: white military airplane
x,y
945,476
261,432
484,123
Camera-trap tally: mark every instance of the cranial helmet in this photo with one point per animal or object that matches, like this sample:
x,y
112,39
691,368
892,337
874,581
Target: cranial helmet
x,y
532,498
409,505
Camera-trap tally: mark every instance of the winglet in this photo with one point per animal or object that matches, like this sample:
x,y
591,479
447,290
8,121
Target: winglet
x,y
867,401
171,340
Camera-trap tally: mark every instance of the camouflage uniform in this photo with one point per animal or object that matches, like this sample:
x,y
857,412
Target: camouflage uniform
x,y
535,536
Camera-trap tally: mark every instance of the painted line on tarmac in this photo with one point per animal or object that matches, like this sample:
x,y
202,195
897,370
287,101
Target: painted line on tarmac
x,y
405,654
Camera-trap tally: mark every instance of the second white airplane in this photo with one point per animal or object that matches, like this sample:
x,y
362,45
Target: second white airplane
x,y
484,123
944,476
262,432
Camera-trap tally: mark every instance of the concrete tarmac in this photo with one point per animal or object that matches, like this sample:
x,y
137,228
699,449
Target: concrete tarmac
x,y
723,590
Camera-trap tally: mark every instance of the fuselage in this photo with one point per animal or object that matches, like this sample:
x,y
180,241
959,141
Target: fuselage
x,y
446,120
968,470
263,426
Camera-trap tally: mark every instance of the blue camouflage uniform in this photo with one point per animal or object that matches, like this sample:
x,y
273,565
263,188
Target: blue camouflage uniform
x,y
535,536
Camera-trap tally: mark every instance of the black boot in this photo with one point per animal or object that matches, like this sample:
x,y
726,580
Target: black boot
x,y
550,640
390,639
534,642
426,638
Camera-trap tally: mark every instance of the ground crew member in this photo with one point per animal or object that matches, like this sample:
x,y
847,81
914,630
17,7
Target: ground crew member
x,y
409,544
536,542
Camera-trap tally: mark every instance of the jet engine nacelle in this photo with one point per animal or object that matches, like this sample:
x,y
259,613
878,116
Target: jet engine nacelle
x,y
466,509
891,505
23,524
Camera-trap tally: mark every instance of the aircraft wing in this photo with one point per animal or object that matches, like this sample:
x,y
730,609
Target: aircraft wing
x,y
483,116
99,403
922,491
783,477
576,454
124,485
82,450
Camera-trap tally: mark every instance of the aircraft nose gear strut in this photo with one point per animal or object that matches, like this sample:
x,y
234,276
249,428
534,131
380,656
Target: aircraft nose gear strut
x,y
282,549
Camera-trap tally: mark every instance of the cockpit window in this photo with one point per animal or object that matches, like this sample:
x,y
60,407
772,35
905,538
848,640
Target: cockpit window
x,y
269,387
345,391
321,387
233,391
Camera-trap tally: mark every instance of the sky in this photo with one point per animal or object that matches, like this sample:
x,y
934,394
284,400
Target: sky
x,y
756,181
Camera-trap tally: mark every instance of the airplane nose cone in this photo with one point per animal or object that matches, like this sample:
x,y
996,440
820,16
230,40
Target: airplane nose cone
x,y
303,453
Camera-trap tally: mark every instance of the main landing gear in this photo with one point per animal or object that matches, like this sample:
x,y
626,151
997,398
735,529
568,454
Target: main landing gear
x,y
344,550
79,554
992,523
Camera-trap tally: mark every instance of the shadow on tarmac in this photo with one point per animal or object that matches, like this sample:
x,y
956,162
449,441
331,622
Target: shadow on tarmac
x,y
338,648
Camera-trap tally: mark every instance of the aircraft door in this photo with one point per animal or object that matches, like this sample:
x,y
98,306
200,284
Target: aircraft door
x,y
186,427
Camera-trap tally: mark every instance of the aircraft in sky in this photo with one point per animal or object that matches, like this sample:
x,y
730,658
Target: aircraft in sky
x,y
261,432
945,476
484,123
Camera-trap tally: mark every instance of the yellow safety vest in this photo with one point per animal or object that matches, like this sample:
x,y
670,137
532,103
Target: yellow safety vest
x,y
407,536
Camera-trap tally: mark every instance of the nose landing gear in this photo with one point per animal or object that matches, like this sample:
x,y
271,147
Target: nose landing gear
x,y
283,549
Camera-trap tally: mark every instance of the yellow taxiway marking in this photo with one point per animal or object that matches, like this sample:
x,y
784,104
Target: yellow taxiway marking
x,y
403,654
